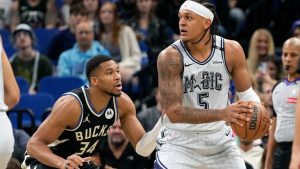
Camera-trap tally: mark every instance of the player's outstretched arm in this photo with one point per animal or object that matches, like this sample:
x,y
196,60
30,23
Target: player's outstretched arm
x,y
170,67
65,114
11,89
144,143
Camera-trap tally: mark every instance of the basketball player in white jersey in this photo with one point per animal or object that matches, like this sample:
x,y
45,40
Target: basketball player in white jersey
x,y
284,98
9,96
194,75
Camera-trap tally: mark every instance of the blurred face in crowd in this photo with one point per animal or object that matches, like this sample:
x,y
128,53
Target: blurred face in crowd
x,y
272,69
267,94
116,136
144,6
291,55
84,34
76,18
106,14
262,45
23,40
91,5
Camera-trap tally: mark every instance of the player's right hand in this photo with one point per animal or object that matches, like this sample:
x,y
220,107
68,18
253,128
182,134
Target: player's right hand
x,y
232,113
74,161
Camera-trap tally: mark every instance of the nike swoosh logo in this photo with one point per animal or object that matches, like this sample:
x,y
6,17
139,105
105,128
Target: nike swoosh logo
x,y
186,65
227,133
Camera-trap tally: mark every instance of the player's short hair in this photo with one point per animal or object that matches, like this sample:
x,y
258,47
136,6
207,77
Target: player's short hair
x,y
93,64
215,23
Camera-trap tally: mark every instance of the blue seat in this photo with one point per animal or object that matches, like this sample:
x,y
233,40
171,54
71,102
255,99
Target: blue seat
x,y
23,84
43,38
22,119
38,104
56,86
9,49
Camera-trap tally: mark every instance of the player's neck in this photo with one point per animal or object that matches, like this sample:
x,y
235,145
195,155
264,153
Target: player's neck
x,y
98,99
202,49
27,53
293,77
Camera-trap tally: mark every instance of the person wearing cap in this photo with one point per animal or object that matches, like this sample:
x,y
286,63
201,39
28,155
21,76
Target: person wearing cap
x,y
28,62
194,76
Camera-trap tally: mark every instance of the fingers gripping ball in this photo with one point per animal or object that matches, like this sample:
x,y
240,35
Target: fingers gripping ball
x,y
258,124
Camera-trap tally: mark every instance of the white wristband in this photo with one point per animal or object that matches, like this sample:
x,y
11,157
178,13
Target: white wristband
x,y
248,95
147,143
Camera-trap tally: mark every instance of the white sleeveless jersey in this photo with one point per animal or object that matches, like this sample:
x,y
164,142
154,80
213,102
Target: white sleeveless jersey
x,y
284,97
205,85
3,107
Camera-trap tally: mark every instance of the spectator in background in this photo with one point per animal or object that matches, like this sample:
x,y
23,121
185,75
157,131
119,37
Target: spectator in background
x,y
65,39
92,7
4,13
296,28
72,62
116,152
149,29
267,72
261,46
36,13
21,139
13,164
167,10
65,11
28,62
120,40
125,8
150,116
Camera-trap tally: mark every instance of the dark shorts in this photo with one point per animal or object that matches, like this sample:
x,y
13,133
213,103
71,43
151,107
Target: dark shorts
x,y
282,155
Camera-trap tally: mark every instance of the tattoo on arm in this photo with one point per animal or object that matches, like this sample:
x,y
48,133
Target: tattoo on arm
x,y
170,67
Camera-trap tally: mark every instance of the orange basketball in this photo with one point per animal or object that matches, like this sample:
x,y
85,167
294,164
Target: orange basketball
x,y
257,126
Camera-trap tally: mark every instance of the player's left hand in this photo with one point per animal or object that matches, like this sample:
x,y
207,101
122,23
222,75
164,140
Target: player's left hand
x,y
74,161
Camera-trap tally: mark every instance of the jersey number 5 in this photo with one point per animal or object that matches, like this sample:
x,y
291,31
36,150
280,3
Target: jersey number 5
x,y
201,100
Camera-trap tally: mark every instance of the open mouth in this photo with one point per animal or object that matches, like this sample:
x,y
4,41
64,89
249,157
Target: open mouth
x,y
182,31
287,67
118,86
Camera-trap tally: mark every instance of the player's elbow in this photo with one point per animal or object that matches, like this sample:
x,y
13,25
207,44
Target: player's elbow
x,y
29,147
12,98
174,113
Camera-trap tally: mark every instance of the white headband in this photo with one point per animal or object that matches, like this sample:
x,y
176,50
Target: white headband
x,y
198,9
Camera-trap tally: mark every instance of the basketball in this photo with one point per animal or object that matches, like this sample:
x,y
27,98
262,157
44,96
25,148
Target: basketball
x,y
257,126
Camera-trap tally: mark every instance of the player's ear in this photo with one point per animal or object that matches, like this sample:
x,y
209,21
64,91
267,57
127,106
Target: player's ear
x,y
93,81
207,23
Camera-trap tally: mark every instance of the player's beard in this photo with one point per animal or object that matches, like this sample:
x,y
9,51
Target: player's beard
x,y
114,94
